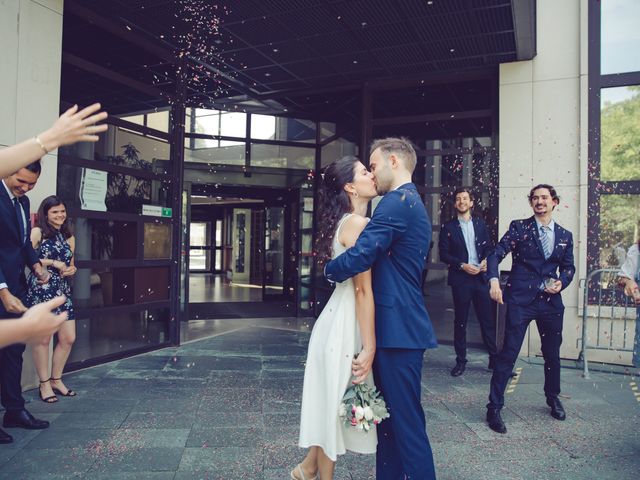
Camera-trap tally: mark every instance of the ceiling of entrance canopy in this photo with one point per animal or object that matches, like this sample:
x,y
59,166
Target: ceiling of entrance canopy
x,y
301,56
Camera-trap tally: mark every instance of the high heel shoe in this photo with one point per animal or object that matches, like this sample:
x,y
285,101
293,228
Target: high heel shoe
x,y
70,393
301,473
50,399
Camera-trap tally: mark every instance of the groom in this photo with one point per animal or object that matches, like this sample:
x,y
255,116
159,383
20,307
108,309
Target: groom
x,y
395,243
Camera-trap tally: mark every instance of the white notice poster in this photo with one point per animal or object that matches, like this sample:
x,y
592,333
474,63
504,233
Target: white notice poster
x,y
93,190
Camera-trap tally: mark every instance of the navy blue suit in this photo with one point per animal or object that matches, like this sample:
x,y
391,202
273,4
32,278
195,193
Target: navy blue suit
x,y
468,288
15,254
526,301
395,244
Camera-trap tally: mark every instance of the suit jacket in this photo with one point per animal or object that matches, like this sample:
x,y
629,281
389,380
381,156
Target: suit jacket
x,y
15,253
529,267
395,244
453,249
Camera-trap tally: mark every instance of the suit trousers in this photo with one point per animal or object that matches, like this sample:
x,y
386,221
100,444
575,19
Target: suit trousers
x,y
404,451
549,320
11,364
474,291
11,374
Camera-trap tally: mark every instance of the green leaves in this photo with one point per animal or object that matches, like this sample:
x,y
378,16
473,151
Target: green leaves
x,y
362,407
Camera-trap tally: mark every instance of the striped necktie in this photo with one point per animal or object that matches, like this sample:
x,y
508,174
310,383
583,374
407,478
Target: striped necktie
x,y
544,240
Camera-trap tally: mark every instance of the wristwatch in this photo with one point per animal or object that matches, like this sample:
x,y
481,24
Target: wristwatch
x,y
460,266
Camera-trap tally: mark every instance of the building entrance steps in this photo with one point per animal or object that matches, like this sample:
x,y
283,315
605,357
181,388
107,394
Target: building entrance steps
x,y
227,407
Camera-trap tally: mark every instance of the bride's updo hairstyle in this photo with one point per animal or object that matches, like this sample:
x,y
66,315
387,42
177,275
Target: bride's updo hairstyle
x,y
333,203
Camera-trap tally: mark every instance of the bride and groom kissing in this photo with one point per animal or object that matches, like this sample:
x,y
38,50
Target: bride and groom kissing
x,y
375,327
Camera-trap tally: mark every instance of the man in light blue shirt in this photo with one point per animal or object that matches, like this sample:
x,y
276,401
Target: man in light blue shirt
x,y
464,244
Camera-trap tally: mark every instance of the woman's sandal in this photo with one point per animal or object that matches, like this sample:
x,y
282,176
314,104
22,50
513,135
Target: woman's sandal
x,y
70,393
301,477
50,399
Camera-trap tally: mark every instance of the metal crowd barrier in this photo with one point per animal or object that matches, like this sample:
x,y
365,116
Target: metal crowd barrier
x,y
613,312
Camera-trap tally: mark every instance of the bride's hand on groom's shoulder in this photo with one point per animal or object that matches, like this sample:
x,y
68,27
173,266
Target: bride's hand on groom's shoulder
x,y
362,364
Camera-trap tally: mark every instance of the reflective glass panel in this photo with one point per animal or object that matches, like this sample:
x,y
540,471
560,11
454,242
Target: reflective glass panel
x,y
105,333
620,133
337,149
90,189
104,239
158,120
267,127
212,151
125,148
620,36
120,286
277,156
619,227
157,240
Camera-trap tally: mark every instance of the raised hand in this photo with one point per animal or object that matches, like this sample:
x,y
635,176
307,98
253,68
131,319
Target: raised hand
x,y
75,126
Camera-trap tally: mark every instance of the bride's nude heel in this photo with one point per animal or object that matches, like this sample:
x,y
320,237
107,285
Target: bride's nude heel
x,y
301,477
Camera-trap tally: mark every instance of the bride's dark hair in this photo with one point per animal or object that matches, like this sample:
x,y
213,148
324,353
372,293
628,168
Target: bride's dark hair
x,y
333,203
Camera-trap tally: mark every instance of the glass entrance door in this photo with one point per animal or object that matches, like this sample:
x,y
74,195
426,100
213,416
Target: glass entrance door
x,y
274,253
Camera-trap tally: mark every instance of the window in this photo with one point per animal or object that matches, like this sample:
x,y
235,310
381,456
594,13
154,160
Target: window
x,y
614,132
620,36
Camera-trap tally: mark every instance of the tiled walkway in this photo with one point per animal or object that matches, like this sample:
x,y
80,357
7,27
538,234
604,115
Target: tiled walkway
x,y
227,407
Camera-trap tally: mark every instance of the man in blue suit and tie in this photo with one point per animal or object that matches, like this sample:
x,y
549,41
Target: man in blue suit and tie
x,y
395,244
16,253
464,245
542,254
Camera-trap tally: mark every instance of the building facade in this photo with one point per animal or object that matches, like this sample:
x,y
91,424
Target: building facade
x,y
190,209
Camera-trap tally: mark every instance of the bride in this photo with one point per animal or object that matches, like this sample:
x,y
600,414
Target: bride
x,y
344,328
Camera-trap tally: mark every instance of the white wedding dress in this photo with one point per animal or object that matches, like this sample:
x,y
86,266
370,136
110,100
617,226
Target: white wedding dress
x,y
334,340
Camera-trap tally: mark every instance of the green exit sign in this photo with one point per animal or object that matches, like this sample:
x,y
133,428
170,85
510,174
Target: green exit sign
x,y
166,212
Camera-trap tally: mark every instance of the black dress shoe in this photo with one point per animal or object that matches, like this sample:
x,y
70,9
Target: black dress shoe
x,y
557,410
23,419
495,420
5,437
513,374
458,369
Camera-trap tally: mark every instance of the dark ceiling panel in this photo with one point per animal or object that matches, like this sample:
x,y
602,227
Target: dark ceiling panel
x,y
367,13
267,45
312,21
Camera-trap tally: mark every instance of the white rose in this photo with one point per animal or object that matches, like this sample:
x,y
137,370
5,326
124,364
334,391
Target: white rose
x,y
359,413
368,413
342,411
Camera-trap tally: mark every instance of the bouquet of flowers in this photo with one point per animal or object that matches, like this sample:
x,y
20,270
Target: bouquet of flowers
x,y
362,406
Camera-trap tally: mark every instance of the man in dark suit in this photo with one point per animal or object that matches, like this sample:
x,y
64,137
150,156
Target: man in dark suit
x,y
464,245
542,254
16,253
395,243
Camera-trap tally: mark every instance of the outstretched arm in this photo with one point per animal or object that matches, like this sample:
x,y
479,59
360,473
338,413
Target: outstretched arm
x,y
72,126
37,323
374,240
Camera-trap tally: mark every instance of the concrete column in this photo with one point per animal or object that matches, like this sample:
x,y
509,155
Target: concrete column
x,y
540,139
31,39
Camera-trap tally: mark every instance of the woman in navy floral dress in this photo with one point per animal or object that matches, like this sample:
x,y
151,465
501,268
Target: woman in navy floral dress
x,y
54,242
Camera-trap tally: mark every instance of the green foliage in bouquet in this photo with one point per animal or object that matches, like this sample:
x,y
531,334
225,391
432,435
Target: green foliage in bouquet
x,y
363,406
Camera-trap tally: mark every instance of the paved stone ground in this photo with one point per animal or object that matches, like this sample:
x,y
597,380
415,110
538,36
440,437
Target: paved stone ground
x,y
227,407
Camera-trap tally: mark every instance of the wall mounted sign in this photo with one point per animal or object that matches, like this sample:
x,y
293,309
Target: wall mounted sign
x,y
93,190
